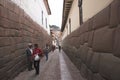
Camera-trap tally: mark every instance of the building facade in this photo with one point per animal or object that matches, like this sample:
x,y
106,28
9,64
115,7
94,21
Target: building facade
x,y
56,35
38,10
94,46
71,13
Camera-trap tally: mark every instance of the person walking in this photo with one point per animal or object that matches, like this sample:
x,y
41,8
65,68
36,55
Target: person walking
x,y
46,51
59,48
29,52
53,48
37,53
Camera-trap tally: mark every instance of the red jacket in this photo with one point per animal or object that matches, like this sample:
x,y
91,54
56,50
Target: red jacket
x,y
37,51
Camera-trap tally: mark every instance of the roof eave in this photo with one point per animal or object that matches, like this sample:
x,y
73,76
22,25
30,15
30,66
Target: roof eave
x,y
47,7
66,8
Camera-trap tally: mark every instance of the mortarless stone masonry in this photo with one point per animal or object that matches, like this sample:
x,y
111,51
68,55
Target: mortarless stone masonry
x,y
17,29
97,58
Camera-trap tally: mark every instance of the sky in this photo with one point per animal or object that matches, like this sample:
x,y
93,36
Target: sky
x,y
56,12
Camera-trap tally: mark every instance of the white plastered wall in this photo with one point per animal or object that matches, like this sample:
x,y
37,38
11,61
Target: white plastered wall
x,y
34,9
92,7
74,16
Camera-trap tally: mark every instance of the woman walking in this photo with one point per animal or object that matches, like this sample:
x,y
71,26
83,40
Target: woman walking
x,y
46,51
37,53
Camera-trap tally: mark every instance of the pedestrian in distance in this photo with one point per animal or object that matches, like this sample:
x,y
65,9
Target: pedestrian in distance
x,y
59,48
37,54
29,52
53,48
46,51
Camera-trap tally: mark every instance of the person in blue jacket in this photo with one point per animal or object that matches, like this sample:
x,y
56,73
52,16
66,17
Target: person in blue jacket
x,y
46,51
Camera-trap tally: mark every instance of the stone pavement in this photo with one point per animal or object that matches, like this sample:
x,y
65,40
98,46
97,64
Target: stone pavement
x,y
58,67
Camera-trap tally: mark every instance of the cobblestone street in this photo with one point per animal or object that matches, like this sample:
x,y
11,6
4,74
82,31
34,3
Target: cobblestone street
x,y
58,67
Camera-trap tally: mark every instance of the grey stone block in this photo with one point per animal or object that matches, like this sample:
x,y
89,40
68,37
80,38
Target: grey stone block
x,y
94,66
90,38
84,70
115,13
89,57
90,75
102,18
103,40
109,66
84,52
116,49
97,76
90,27
86,36
81,39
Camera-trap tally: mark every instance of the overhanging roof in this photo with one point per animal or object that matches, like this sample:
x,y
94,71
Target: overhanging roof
x,y
47,7
66,9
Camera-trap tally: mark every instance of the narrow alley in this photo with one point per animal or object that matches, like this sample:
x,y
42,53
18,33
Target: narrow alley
x,y
58,67
87,31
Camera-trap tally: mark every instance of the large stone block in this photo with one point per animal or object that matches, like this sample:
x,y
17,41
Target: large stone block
x,y
84,70
4,41
20,46
4,51
89,57
103,40
94,65
90,27
2,2
109,66
86,36
115,13
3,73
4,22
102,18
15,25
97,76
9,5
4,60
90,38
76,42
12,33
116,50
90,75
84,52
81,39
17,10
12,16
15,68
3,12
84,27
80,49
2,32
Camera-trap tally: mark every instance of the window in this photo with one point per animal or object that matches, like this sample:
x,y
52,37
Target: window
x,y
42,17
69,25
80,12
46,22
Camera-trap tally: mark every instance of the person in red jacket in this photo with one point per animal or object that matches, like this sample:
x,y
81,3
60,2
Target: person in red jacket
x,y
37,53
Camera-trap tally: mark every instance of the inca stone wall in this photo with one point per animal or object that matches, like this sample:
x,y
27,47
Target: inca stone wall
x,y
95,46
17,29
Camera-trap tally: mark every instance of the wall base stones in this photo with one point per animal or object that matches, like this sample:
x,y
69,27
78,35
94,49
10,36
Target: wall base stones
x,y
96,47
17,29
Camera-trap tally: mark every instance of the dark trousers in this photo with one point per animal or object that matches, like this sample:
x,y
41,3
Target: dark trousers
x,y
29,64
46,54
36,65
